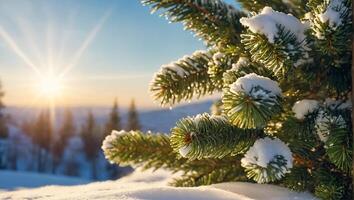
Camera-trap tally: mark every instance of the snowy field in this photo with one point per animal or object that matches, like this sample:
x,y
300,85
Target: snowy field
x,y
139,186
11,180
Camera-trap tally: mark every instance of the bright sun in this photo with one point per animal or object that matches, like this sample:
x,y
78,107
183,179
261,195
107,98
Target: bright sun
x,y
50,87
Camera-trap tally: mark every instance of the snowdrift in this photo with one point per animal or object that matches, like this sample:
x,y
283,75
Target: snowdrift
x,y
10,180
153,186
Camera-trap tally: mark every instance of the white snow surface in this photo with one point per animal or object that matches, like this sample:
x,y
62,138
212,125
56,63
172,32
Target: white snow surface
x,y
266,23
249,81
153,186
304,107
264,150
332,14
10,180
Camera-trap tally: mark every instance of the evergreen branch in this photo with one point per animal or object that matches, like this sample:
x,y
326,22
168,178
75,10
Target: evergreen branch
x,y
332,40
216,107
329,191
333,44
213,20
226,172
252,110
332,185
280,56
265,166
340,148
339,78
294,7
301,137
183,79
256,6
239,70
151,150
206,136
136,148
274,171
299,179
220,63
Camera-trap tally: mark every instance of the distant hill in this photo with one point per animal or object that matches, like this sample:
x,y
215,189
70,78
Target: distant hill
x,y
156,120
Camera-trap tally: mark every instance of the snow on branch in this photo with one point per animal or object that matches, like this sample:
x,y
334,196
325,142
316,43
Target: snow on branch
x,y
333,14
267,160
179,67
249,82
183,79
303,107
252,100
266,23
107,142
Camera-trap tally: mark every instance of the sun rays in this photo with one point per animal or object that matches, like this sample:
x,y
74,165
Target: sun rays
x,y
17,50
49,68
90,37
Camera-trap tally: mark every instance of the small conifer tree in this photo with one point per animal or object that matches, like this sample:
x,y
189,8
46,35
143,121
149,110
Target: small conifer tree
x,y
114,120
133,118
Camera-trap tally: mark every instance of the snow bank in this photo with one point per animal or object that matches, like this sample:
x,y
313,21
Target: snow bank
x,y
14,179
152,186
263,191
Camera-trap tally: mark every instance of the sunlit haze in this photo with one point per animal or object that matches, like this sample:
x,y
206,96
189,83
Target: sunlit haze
x,y
84,52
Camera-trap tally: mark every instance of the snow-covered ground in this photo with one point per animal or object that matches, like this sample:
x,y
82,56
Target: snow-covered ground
x,y
11,180
150,186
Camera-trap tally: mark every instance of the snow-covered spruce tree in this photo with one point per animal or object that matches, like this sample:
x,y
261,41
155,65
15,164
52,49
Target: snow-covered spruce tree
x,y
286,108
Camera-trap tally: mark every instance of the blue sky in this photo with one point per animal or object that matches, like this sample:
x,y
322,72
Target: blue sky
x,y
119,61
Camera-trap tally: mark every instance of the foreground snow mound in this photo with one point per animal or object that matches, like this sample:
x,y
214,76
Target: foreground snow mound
x,y
14,179
152,186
